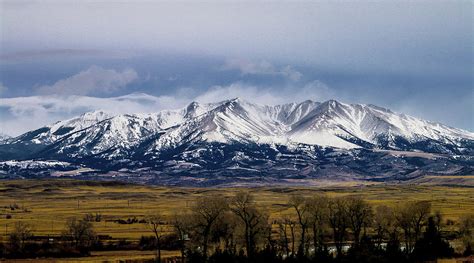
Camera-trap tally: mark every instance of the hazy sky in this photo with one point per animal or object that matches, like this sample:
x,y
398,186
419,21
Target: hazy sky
x,y
412,57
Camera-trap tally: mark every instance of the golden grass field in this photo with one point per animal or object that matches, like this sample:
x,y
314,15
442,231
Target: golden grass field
x,y
47,204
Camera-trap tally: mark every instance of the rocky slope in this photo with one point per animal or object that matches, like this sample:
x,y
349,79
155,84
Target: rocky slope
x,y
235,138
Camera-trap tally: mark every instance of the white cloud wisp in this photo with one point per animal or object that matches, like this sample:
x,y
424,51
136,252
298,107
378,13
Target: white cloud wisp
x,y
91,81
22,114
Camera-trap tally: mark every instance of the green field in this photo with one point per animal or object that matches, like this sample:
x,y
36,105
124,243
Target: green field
x,y
47,204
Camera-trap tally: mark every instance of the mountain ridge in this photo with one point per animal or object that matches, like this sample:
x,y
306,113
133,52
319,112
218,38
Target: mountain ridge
x,y
241,138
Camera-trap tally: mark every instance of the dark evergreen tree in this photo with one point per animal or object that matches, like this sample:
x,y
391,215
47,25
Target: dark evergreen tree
x,y
432,246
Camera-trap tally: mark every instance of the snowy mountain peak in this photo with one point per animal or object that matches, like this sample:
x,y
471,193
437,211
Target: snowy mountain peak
x,y
4,137
238,139
378,108
98,114
193,110
330,123
236,100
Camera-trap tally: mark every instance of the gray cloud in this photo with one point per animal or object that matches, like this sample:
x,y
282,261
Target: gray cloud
x,y
22,114
94,80
410,56
3,88
262,67
386,35
314,90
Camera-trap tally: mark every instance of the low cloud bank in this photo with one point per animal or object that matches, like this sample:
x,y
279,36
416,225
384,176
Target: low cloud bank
x,y
23,114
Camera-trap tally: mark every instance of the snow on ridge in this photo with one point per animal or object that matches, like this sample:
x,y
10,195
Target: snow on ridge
x,y
28,164
4,137
330,123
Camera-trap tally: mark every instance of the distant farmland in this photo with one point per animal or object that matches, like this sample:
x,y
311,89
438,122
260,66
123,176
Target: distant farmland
x,y
47,204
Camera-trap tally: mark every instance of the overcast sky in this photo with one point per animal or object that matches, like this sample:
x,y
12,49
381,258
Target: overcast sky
x,y
411,57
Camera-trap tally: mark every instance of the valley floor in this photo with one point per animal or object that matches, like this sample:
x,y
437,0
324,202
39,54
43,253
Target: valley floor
x,y
47,204
105,256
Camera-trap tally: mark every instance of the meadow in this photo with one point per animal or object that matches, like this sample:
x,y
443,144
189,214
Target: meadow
x,y
47,204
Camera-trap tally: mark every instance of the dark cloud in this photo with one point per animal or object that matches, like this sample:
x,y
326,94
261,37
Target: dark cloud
x,y
410,56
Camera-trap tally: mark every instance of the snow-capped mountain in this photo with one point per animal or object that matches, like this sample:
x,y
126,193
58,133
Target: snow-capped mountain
x,y
56,131
331,124
235,134
4,137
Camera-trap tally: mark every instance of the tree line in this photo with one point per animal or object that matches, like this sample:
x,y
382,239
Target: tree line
x,y
309,229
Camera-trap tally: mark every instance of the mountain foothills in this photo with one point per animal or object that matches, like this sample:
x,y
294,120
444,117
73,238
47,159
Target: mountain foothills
x,y
237,142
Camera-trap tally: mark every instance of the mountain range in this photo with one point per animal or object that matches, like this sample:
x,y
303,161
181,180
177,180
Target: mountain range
x,y
235,141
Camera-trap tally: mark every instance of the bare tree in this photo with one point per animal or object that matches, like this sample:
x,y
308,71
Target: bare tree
x,y
411,217
287,235
155,225
80,232
284,239
21,233
207,211
224,231
302,209
270,241
318,210
404,221
466,227
438,220
292,225
339,221
420,211
359,213
254,221
384,223
182,227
